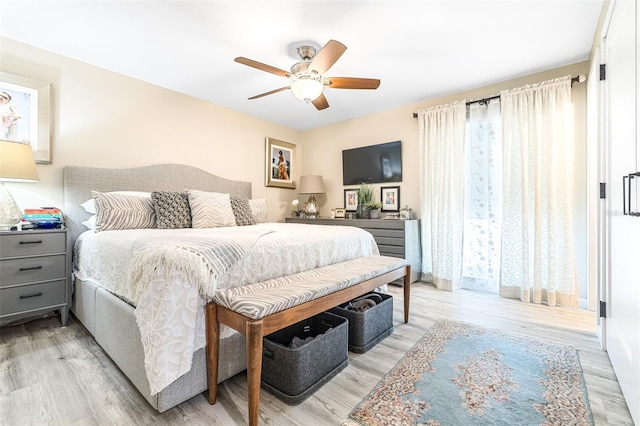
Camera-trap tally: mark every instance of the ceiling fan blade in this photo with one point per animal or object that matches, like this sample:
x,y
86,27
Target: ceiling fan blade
x,y
320,102
352,83
269,93
327,56
262,67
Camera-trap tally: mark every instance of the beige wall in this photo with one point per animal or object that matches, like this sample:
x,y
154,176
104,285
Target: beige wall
x,y
323,149
104,119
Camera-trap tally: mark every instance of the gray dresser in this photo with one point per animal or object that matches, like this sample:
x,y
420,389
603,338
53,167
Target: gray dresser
x,y
34,274
397,238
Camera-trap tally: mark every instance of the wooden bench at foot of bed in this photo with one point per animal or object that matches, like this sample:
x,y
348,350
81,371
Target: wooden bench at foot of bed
x,y
259,309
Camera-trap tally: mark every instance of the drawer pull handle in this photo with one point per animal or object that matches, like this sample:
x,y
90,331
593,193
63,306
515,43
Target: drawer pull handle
x,y
26,296
31,242
32,268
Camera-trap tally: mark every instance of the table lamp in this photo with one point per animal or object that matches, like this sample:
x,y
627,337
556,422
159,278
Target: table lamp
x,y
311,185
16,165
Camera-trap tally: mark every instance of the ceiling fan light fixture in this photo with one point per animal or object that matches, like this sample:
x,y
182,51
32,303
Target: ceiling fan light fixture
x,y
307,89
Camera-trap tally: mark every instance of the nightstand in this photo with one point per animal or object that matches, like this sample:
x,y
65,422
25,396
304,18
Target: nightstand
x,y
35,271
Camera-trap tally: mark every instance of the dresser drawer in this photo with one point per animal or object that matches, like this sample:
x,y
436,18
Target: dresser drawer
x,y
26,244
386,241
394,233
393,251
31,297
32,269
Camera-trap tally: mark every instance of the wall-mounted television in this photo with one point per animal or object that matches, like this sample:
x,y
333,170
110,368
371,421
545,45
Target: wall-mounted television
x,y
373,164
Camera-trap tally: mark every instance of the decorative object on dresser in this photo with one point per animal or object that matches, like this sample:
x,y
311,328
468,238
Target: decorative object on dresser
x,y
351,200
398,238
374,209
365,195
34,274
390,197
16,165
311,185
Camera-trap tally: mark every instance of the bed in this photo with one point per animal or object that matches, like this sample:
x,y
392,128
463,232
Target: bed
x,y
121,321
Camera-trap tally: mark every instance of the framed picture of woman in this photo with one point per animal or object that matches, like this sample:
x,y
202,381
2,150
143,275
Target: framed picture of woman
x,y
280,164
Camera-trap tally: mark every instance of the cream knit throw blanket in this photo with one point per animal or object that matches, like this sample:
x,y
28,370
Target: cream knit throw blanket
x,y
200,261
167,266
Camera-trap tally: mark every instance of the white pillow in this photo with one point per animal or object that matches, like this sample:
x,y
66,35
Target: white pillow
x,y
259,210
210,209
90,205
91,222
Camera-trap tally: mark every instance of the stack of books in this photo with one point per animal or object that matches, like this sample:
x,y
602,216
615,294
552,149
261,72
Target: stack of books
x,y
44,217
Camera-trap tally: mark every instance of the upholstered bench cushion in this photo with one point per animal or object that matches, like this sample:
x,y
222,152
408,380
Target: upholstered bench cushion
x,y
278,294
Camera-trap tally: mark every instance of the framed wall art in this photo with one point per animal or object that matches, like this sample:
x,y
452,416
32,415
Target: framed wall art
x,y
390,198
280,165
25,106
351,200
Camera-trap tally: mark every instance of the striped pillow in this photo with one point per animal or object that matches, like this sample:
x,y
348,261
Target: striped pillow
x,y
120,211
210,209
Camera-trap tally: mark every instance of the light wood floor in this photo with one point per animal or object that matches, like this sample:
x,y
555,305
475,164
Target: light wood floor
x,y
51,375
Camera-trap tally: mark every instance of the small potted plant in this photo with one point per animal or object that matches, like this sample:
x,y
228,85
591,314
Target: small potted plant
x,y
374,209
365,195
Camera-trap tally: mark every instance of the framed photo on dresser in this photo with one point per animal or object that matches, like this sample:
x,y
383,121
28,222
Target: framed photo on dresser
x,y
390,198
351,200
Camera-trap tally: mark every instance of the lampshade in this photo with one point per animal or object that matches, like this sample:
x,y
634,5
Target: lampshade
x,y
306,89
16,165
312,184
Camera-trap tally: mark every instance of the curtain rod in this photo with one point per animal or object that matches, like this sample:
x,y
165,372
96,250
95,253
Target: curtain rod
x,y
577,79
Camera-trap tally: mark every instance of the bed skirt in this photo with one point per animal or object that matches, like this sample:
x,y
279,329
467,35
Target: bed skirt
x,y
112,323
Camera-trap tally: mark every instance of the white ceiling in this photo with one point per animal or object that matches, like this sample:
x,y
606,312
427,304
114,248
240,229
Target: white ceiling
x,y
418,49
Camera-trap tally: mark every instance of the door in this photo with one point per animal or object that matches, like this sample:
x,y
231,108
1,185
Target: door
x,y
620,49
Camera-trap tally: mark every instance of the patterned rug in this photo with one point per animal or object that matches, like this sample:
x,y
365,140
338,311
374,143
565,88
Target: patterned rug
x,y
463,374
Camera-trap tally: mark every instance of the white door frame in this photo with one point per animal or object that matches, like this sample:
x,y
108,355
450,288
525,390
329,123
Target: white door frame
x,y
596,217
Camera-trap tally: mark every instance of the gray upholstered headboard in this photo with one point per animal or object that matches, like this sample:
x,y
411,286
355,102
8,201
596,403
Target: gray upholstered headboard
x,y
80,181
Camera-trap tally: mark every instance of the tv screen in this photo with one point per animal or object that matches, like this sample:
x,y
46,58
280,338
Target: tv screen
x,y
373,164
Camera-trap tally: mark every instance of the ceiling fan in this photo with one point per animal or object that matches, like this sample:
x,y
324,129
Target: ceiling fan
x,y
307,80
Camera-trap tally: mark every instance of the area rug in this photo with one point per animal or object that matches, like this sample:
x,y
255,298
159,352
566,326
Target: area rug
x,y
463,374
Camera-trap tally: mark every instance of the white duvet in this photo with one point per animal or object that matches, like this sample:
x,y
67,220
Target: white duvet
x,y
169,309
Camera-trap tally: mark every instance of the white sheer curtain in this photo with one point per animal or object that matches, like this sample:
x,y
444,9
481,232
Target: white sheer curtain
x,y
538,263
442,131
483,198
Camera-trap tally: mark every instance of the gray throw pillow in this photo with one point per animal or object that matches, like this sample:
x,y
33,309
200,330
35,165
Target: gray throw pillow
x,y
172,209
242,210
